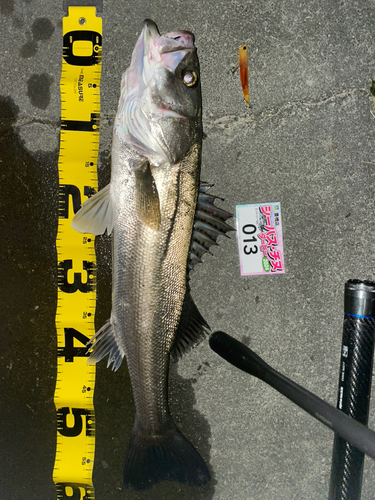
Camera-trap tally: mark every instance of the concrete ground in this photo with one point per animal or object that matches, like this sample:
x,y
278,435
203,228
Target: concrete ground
x,y
307,141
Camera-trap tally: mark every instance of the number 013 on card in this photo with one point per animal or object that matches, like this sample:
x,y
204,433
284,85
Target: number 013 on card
x,y
260,239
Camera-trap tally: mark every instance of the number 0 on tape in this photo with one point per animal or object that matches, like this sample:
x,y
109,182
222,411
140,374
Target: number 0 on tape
x,y
79,145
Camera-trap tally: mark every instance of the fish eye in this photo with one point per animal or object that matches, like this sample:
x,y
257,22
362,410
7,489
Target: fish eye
x,y
190,78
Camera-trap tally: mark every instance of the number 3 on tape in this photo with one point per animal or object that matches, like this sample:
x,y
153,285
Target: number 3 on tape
x,y
79,145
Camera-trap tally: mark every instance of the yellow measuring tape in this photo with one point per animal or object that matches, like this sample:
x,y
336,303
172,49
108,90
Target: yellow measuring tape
x,y
79,146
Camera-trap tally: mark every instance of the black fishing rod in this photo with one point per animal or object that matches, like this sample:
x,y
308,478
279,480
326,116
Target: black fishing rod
x,y
245,359
355,376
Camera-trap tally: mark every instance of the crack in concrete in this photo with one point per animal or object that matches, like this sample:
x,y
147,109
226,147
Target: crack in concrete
x,y
230,122
36,121
38,134
227,123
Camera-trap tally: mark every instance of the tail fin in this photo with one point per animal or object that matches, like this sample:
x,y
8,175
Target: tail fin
x,y
170,457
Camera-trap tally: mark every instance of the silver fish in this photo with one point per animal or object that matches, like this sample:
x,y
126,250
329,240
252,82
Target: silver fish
x,y
162,220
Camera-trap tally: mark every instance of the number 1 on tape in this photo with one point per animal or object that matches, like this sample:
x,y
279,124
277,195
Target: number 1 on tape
x,y
79,146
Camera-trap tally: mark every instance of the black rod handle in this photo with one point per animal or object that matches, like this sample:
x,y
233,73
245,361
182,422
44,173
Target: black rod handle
x,y
245,359
355,376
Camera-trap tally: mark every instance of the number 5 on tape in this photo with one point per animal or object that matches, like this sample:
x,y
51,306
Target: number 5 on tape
x,y
79,144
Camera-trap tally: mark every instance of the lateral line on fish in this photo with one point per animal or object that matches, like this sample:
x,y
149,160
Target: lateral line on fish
x,y
174,214
75,314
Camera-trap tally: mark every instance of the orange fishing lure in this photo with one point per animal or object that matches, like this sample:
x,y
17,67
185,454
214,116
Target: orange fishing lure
x,y
244,73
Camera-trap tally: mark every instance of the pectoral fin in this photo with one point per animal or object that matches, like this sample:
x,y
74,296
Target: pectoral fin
x,y
96,215
147,202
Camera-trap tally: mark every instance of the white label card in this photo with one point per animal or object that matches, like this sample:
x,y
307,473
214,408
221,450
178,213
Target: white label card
x,y
260,239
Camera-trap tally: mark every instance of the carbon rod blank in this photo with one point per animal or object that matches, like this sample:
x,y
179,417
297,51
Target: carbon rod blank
x,y
354,386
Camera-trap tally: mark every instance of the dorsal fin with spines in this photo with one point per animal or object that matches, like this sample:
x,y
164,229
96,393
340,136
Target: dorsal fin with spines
x,y
209,223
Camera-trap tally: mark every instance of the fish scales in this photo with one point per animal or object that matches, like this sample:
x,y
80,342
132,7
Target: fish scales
x,y
149,285
162,220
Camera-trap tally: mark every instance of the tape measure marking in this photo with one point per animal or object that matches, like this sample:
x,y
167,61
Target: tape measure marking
x,y
75,314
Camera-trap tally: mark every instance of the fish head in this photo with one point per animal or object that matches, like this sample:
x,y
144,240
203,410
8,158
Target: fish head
x,y
160,108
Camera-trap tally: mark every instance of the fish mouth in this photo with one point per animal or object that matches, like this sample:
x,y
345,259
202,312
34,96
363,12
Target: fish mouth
x,y
170,42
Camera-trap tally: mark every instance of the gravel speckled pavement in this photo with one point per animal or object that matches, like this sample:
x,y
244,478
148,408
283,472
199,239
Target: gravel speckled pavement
x,y
307,141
